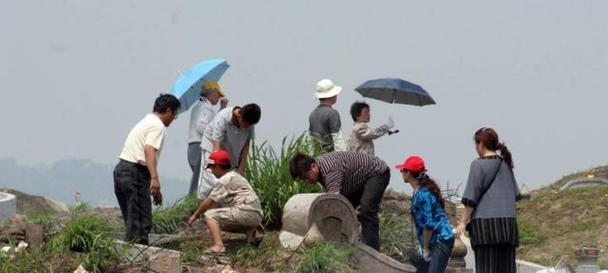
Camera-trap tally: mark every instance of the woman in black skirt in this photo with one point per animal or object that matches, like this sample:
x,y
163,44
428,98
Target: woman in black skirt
x,y
490,209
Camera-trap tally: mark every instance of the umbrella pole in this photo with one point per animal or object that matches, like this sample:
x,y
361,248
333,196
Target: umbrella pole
x,y
392,114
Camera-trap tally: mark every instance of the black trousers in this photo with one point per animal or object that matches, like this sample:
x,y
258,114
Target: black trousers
x,y
132,189
368,200
496,258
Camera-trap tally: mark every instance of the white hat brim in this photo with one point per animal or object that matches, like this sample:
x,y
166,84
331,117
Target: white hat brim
x,y
331,93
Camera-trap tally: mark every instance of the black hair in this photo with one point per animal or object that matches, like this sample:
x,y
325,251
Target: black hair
x,y
489,138
431,185
166,102
299,165
251,113
357,108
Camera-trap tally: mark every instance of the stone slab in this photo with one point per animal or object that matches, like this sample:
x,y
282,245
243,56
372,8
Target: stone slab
x,y
165,262
370,260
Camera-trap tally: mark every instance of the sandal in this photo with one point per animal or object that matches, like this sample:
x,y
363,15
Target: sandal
x,y
210,251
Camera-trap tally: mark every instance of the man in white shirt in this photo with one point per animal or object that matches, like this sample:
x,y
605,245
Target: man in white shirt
x,y
231,130
201,115
136,176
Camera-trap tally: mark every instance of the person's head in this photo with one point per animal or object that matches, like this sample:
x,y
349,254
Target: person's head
x,y
219,163
327,92
359,111
248,115
212,92
165,107
414,172
304,167
486,140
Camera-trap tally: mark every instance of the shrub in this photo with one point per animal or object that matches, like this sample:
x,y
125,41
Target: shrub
x,y
268,173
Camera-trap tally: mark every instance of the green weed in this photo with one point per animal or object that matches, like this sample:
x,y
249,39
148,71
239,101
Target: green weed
x,y
88,235
268,173
326,257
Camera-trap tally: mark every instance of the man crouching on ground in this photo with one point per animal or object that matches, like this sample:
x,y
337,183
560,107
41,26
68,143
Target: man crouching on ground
x,y
240,207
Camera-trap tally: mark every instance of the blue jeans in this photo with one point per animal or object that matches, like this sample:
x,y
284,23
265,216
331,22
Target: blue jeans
x,y
440,255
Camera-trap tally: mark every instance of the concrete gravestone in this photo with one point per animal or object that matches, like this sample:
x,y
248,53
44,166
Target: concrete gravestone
x,y
332,214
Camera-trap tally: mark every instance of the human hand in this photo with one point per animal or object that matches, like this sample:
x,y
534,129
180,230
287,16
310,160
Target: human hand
x,y
157,198
192,219
223,102
155,191
390,123
459,229
426,255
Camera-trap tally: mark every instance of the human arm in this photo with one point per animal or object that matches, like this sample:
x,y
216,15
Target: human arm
x,y
151,163
333,182
218,128
336,134
426,245
464,220
471,196
204,206
217,145
365,133
243,157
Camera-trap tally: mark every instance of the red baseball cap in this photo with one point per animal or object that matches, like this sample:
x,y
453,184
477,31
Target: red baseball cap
x,y
413,164
220,158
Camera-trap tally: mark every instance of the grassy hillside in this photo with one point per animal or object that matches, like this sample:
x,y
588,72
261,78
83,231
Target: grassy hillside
x,y
552,224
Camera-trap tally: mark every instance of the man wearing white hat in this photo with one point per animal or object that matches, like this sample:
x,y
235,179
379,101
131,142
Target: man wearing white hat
x,y
324,120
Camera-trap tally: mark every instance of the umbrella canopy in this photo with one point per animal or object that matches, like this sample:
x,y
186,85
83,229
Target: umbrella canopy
x,y
395,91
187,88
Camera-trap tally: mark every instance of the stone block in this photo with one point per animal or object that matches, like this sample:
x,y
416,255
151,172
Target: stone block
x,y
34,234
165,262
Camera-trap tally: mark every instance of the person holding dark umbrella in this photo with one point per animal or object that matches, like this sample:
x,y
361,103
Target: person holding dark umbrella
x,y
361,139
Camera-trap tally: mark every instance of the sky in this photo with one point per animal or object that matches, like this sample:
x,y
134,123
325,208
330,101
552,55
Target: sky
x,y
75,76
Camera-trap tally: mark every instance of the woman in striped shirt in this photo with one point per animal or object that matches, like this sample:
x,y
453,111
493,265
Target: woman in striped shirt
x,y
432,226
490,209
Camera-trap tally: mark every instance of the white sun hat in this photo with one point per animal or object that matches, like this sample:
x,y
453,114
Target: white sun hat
x,y
327,89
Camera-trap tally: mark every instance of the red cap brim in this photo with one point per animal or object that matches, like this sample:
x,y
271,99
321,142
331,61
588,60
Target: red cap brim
x,y
400,166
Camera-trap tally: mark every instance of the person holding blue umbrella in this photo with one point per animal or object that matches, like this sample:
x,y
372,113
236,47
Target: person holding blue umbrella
x,y
187,88
203,111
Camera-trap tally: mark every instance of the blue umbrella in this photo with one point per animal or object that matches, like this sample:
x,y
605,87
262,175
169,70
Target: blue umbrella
x,y
395,91
187,88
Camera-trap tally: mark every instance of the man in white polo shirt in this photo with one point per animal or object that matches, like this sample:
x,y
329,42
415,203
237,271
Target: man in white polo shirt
x,y
136,176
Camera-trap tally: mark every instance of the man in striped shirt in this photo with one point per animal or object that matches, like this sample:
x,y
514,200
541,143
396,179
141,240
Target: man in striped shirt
x,y
361,178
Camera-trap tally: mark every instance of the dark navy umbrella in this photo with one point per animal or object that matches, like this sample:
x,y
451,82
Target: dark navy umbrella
x,y
395,91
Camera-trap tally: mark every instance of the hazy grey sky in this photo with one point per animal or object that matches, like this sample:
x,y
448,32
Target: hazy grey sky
x,y
75,76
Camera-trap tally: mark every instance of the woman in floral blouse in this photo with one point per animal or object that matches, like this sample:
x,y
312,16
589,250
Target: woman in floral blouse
x,y
432,226
362,135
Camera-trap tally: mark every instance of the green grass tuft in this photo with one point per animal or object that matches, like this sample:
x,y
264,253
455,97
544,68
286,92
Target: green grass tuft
x,y
326,257
268,173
